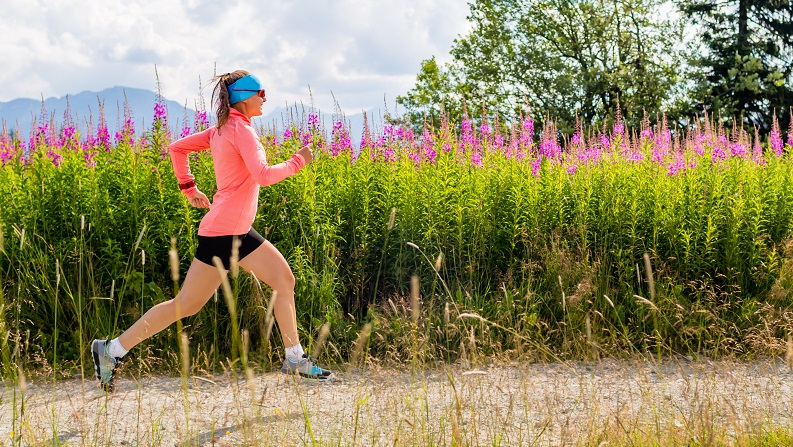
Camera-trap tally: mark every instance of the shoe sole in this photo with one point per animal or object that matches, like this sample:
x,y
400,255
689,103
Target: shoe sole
x,y
307,377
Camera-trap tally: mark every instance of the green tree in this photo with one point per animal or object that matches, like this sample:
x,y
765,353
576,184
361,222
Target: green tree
x,y
742,58
560,57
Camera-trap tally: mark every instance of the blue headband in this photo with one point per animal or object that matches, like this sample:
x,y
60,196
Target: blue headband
x,y
243,88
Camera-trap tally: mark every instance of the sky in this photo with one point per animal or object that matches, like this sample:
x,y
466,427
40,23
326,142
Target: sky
x,y
363,53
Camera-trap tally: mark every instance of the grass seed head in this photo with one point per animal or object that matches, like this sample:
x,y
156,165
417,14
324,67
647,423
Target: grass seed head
x,y
174,259
360,343
415,305
320,341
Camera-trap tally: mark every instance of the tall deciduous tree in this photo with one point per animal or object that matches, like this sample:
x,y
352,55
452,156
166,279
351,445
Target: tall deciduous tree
x,y
562,57
744,67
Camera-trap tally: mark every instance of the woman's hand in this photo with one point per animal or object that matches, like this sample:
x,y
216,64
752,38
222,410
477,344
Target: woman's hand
x,y
307,154
199,200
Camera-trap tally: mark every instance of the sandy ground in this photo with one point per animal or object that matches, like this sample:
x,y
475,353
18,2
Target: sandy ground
x,y
519,404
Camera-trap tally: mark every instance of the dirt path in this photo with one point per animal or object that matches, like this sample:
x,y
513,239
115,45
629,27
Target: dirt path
x,y
527,404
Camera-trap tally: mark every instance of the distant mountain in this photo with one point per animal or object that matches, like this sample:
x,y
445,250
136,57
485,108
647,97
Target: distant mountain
x,y
20,114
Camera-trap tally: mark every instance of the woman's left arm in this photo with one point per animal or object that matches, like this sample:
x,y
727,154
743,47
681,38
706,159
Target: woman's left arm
x,y
255,159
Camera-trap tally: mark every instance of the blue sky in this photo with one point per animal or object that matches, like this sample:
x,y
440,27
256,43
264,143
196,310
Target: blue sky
x,y
360,52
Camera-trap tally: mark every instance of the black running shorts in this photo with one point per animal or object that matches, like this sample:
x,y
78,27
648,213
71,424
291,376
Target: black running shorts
x,y
220,246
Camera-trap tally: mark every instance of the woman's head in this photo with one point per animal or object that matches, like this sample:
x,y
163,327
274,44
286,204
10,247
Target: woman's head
x,y
240,90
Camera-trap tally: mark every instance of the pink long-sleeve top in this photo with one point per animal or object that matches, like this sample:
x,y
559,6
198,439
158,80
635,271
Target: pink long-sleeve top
x,y
240,168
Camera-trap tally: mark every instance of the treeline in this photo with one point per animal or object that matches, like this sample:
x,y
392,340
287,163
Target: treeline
x,y
585,59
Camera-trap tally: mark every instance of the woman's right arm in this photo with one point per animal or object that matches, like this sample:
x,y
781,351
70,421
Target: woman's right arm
x,y
180,150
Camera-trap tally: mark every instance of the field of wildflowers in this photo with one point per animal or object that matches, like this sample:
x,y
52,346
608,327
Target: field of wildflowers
x,y
525,242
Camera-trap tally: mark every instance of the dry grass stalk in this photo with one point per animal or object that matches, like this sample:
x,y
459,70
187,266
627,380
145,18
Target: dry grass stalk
x,y
174,261
360,343
649,272
226,286
415,305
391,219
457,438
564,300
268,317
320,341
439,262
235,256
184,348
790,351
645,301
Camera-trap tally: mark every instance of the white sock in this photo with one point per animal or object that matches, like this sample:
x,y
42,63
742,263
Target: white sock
x,y
115,349
294,353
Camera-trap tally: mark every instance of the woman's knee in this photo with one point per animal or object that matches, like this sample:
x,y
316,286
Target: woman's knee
x,y
285,282
187,308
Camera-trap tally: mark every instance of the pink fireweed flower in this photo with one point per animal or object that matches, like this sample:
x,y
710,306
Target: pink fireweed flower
x,y
605,142
288,134
160,113
718,154
201,121
676,166
498,143
572,169
738,150
7,149
187,130
646,134
484,129
467,140
549,148
476,159
89,159
313,120
69,137
388,131
776,143
576,139
635,157
699,144
55,157
103,137
536,165
340,139
757,153
526,133
389,155
619,128
306,138
430,155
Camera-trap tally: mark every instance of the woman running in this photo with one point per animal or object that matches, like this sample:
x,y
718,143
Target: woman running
x,y
240,169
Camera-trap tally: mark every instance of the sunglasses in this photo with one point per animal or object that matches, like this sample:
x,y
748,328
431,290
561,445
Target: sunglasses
x,y
259,92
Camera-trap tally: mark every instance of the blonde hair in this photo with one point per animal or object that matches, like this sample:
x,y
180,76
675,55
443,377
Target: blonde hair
x,y
220,95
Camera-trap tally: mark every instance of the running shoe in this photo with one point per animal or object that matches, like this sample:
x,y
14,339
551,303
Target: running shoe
x,y
306,368
105,365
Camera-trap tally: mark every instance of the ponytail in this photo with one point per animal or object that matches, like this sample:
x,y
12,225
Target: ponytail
x,y
220,95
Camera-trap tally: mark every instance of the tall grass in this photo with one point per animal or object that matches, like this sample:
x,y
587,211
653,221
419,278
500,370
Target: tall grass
x,y
549,243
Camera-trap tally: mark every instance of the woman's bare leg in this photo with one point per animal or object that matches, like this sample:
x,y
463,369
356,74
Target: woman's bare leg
x,y
270,267
200,283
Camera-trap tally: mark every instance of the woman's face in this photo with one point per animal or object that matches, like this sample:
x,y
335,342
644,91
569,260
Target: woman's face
x,y
253,105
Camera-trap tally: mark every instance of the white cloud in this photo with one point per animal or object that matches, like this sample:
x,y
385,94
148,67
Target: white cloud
x,y
360,51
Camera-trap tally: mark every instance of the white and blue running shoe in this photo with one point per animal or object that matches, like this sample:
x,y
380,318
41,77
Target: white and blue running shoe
x,y
105,365
306,368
